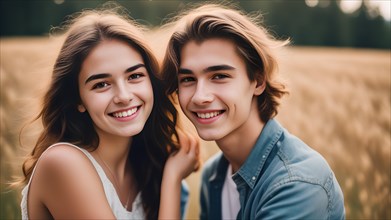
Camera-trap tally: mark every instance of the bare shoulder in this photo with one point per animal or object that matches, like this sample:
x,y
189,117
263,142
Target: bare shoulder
x,y
63,159
61,153
63,164
65,177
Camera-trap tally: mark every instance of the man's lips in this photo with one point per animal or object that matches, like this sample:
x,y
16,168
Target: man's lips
x,y
208,114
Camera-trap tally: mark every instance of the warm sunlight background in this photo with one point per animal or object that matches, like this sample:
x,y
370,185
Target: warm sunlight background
x,y
339,104
384,6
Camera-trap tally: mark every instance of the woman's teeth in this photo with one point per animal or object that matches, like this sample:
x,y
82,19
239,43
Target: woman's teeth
x,y
125,113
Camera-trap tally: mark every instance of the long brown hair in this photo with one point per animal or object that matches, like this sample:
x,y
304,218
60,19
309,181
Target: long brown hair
x,y
62,122
254,44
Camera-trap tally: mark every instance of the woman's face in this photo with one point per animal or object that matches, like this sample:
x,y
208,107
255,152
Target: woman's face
x,y
115,89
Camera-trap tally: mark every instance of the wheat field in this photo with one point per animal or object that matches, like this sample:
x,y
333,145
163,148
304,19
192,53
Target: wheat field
x,y
339,104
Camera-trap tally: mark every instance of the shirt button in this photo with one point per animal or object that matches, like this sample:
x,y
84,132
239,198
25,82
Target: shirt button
x,y
263,156
253,178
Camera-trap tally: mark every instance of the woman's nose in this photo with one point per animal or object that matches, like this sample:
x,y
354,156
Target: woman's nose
x,y
122,95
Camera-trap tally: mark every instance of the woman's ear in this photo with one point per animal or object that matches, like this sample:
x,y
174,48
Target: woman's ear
x,y
81,108
261,85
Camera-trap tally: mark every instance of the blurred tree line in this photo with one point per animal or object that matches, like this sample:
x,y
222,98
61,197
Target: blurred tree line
x,y
322,25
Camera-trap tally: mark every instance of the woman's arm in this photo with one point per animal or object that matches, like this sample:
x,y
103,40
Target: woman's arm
x,y
177,167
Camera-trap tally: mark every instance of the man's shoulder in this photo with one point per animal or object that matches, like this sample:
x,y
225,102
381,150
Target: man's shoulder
x,y
302,161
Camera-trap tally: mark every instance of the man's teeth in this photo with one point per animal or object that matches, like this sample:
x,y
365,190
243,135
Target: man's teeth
x,y
208,115
125,113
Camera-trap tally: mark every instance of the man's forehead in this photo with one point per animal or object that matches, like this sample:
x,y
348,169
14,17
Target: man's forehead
x,y
208,53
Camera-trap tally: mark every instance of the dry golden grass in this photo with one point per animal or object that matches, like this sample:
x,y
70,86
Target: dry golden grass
x,y
339,104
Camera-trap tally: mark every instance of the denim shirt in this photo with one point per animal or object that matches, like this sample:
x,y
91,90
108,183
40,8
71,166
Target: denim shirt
x,y
282,178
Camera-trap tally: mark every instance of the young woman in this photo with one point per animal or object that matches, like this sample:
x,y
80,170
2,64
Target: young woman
x,y
108,131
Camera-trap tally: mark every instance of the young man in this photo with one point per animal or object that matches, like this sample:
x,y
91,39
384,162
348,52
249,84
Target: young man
x,y
222,66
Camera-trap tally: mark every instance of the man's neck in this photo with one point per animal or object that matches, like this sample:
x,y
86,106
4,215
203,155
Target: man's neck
x,y
237,146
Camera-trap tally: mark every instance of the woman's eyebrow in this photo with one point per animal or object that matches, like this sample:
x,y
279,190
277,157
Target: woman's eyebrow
x,y
133,68
97,76
106,75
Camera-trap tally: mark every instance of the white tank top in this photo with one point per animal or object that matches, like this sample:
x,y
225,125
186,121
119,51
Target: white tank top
x,y
112,197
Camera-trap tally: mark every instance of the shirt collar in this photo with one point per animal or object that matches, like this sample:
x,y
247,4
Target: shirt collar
x,y
252,167
220,172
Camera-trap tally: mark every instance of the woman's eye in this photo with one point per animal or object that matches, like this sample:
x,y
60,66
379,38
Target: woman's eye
x,y
100,85
136,76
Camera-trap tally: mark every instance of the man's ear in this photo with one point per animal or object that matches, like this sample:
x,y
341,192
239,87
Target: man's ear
x,y
81,108
261,85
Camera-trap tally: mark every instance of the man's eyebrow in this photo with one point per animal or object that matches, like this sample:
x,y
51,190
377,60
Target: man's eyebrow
x,y
184,71
105,75
208,69
97,76
218,68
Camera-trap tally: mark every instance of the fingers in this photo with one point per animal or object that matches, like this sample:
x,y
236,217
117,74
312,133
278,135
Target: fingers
x,y
192,144
184,141
194,151
189,149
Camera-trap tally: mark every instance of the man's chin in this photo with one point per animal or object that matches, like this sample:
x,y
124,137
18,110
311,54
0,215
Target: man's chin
x,y
208,136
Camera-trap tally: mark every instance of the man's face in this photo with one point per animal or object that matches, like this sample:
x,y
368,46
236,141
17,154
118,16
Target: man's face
x,y
215,92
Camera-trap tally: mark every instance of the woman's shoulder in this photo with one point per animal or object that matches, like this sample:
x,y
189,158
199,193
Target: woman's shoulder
x,y
66,177
60,154
63,147
64,163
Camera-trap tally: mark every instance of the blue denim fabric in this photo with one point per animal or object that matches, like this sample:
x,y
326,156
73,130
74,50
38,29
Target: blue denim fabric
x,y
282,178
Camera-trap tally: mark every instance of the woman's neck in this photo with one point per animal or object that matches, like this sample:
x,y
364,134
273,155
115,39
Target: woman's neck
x,y
114,152
113,156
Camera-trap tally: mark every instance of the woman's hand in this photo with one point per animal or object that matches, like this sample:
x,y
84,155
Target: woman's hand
x,y
182,163
179,165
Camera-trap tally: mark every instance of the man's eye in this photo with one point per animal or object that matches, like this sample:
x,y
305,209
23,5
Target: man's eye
x,y
186,79
100,85
220,76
